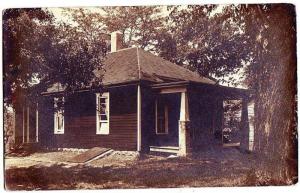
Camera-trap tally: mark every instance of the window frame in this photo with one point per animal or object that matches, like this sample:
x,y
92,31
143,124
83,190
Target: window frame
x,y
166,118
98,116
58,114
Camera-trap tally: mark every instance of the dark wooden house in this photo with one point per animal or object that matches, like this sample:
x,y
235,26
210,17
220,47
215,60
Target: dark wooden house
x,y
148,104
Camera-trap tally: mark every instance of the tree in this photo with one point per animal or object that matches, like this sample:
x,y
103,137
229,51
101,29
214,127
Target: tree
x,y
39,53
212,44
18,26
139,24
272,76
8,128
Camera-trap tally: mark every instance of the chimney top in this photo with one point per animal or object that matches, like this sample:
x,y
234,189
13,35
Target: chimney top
x,y
116,41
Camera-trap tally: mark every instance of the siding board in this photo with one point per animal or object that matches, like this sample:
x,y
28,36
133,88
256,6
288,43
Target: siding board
x,y
80,122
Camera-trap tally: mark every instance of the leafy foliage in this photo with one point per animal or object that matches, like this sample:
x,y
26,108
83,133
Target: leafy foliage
x,y
211,44
20,59
8,128
39,53
140,25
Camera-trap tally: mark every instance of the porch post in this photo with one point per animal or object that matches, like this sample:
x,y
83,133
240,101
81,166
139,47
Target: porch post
x,y
245,126
23,124
37,122
184,135
14,125
27,124
139,118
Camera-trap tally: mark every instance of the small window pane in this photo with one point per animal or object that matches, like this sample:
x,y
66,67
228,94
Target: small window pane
x,y
161,125
104,128
103,108
161,117
103,113
103,117
103,100
59,115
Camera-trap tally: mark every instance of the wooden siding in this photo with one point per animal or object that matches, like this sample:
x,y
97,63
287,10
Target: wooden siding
x,y
18,126
81,132
148,118
204,116
80,121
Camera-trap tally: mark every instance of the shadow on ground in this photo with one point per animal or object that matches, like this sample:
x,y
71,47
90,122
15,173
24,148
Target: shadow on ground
x,y
197,171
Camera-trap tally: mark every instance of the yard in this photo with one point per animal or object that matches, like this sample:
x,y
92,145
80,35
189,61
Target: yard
x,y
50,170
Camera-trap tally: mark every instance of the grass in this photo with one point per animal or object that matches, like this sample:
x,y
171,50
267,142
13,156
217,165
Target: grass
x,y
229,168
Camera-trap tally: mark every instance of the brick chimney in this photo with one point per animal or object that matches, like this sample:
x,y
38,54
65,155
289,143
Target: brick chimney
x,y
116,41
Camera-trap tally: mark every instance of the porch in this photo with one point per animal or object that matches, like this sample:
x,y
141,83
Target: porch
x,y
26,126
189,117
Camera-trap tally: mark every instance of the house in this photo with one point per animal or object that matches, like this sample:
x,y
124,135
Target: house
x,y
148,104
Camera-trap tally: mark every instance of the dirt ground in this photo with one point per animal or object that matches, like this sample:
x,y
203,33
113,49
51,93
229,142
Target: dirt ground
x,y
50,170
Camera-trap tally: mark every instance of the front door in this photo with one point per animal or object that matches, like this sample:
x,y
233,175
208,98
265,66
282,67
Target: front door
x,y
167,107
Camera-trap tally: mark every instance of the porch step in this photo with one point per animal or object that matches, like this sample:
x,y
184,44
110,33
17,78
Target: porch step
x,y
231,144
164,149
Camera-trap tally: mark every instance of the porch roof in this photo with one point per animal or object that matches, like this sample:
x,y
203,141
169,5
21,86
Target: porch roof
x,y
219,90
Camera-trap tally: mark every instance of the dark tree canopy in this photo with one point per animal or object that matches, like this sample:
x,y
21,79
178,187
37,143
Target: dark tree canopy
x,y
212,44
207,42
39,52
19,62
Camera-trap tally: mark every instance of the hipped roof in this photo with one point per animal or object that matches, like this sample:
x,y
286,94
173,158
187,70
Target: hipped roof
x,y
135,64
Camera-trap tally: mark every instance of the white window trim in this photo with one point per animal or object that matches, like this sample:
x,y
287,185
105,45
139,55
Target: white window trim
x,y
166,120
56,115
98,130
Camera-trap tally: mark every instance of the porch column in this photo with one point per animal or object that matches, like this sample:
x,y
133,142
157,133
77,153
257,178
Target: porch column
x,y
139,119
37,123
14,125
23,124
184,135
245,126
27,124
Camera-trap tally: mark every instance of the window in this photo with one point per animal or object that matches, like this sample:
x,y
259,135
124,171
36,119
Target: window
x,y
59,124
102,113
161,112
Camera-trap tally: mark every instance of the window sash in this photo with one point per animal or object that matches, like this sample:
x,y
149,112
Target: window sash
x,y
162,119
102,122
58,117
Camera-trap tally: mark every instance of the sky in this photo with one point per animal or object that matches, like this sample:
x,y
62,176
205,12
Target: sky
x,y
60,13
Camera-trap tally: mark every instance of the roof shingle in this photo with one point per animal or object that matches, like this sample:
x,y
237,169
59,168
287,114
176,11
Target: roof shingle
x,y
134,64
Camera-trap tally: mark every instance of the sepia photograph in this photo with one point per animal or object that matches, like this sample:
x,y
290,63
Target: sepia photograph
x,y
156,96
